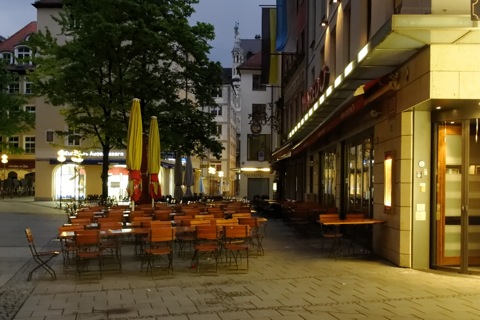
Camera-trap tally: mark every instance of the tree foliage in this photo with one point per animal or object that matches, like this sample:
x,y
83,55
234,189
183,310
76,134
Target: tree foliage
x,y
112,51
14,119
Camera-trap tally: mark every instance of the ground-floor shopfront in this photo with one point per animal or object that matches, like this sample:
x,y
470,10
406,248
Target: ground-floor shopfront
x,y
72,181
408,158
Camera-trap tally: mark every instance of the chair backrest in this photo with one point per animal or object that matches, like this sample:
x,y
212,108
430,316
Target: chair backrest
x,y
326,217
110,225
182,220
85,215
87,238
204,216
251,222
355,216
226,222
139,220
162,214
109,219
160,224
71,228
242,215
206,232
31,244
235,232
79,221
162,235
196,222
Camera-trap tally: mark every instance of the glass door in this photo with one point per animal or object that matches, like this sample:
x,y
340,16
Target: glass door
x,y
457,220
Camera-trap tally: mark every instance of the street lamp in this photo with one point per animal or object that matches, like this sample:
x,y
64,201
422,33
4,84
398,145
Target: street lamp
x,y
211,171
220,174
61,158
4,161
77,159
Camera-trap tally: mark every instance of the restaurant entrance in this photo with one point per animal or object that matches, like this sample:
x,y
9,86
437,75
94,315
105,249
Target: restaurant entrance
x,y
457,200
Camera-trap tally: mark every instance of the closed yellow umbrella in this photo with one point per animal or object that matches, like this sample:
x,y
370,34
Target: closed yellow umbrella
x,y
134,152
153,160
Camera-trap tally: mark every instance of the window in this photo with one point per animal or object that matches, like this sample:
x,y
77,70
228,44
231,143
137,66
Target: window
x,y
14,86
29,144
13,142
359,156
257,83
258,147
23,55
218,92
329,170
219,129
7,57
28,86
216,111
30,109
49,135
73,138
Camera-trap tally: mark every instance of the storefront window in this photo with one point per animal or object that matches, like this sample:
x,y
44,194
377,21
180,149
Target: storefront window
x,y
359,175
328,179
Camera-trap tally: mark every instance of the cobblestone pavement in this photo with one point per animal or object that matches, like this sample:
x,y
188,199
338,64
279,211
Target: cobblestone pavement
x,y
295,279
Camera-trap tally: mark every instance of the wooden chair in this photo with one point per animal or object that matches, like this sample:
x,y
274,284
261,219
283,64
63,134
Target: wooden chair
x,y
160,245
42,258
110,245
87,243
235,244
330,232
204,216
157,224
257,233
162,214
206,243
68,245
242,215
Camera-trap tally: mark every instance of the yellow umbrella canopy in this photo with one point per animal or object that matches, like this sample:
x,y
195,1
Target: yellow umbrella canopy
x,y
153,160
134,151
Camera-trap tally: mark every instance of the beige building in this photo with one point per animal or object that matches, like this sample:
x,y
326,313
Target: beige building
x,y
381,117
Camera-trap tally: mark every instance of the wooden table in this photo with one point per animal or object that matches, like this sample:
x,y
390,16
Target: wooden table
x,y
336,248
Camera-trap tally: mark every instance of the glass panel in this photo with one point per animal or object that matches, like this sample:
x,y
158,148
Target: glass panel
x,y
474,197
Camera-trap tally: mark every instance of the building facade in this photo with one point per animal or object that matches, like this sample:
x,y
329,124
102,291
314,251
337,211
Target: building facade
x,y
253,101
380,117
18,169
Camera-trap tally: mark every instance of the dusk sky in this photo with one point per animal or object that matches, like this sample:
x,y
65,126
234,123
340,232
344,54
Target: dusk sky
x,y
15,14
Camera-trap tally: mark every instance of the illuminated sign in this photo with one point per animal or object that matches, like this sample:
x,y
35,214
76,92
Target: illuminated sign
x,y
317,88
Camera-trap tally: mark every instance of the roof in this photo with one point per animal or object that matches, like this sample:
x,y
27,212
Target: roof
x,y
252,63
18,38
48,4
251,45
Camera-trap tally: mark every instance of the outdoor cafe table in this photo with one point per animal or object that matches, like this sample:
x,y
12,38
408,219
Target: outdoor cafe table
x,y
352,222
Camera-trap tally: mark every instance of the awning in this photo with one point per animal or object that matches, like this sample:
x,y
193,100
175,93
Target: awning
x,y
396,42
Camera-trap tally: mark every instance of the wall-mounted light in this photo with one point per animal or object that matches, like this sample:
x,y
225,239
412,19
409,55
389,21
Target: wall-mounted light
x,y
324,23
388,183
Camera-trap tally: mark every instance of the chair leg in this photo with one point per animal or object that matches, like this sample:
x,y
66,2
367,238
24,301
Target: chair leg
x,y
44,265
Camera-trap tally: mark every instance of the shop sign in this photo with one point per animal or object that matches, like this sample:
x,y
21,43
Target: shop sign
x,y
319,86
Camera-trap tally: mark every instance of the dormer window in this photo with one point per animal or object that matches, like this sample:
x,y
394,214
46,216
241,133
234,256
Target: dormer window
x,y
23,55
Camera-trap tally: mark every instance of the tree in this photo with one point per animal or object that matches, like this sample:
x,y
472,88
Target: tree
x,y
117,50
13,118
